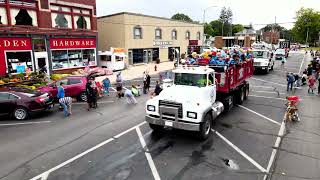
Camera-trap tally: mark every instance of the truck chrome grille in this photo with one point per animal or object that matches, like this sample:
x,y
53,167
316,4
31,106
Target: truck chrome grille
x,y
256,63
172,104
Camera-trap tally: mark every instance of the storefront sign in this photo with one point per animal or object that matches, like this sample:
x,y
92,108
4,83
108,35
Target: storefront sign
x,y
117,50
162,44
12,44
72,43
193,42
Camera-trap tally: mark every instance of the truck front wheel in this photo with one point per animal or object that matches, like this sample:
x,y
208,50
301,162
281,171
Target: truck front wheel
x,y
156,128
205,127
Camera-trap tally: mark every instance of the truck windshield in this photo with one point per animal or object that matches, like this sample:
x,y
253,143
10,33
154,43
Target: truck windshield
x,y
260,54
186,79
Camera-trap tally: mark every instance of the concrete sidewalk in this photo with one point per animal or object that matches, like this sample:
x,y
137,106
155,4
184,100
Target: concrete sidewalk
x,y
136,71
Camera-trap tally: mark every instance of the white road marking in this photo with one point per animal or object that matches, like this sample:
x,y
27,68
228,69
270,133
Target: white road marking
x,y
276,146
148,155
266,97
45,174
269,82
270,87
113,88
271,120
99,102
257,165
270,92
125,88
302,64
26,123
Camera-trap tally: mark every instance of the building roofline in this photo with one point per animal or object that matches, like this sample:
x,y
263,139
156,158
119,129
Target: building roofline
x,y
138,14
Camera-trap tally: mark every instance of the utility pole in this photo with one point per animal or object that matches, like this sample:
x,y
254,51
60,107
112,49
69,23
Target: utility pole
x,y
307,36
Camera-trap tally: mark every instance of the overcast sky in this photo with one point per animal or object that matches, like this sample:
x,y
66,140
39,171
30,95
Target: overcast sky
x,y
257,12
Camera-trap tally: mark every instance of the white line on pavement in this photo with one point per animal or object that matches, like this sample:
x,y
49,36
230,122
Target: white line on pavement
x,y
276,146
271,120
270,92
125,88
302,64
113,88
99,102
27,123
270,87
266,97
45,174
148,155
269,82
262,169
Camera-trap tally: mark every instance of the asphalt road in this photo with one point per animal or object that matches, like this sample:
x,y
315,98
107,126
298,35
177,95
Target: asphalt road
x,y
114,143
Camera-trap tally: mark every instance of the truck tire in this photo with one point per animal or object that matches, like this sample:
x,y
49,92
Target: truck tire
x,y
156,128
205,127
241,95
228,103
247,91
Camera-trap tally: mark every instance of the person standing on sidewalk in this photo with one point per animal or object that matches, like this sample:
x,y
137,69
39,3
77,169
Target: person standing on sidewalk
x,y
312,82
290,80
319,84
106,85
89,93
119,85
144,83
148,82
66,103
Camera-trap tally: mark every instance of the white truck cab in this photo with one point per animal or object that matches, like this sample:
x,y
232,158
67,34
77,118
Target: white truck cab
x,y
263,60
189,104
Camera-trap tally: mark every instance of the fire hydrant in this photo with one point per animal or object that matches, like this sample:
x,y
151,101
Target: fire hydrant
x,y
155,67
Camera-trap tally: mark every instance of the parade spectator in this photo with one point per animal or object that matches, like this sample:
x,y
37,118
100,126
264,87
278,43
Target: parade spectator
x,y
144,82
66,103
319,84
312,82
129,96
106,85
158,89
290,80
148,82
309,70
119,81
90,94
135,91
61,93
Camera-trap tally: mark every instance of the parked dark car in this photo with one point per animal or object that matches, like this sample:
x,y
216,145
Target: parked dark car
x,y
20,102
74,86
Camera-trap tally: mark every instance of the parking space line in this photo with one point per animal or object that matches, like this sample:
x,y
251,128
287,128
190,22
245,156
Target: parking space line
x,y
270,92
148,155
304,57
27,123
266,97
276,146
252,161
270,87
45,174
113,88
271,120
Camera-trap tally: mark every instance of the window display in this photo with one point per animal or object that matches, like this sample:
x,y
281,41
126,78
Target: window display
x,y
17,62
60,59
73,58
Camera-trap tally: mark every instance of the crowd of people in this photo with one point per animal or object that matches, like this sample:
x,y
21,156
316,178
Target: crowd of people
x,y
309,77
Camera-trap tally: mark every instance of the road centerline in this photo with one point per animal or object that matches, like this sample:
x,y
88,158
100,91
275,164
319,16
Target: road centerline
x,y
26,123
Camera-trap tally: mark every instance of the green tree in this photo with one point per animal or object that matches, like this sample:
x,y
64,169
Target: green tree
x,y
208,29
182,17
237,28
307,26
217,27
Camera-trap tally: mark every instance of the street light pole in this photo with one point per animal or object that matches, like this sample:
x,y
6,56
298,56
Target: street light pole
x,y
204,21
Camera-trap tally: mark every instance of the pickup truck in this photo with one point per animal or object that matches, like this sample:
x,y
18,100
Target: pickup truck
x,y
263,60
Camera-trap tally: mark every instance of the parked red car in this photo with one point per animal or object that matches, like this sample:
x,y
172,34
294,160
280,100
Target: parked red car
x,y
74,86
20,103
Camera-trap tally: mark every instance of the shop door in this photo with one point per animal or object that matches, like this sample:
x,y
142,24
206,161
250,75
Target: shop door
x,y
149,55
145,56
42,64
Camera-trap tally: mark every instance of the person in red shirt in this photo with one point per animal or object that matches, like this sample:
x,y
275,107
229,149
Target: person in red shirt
x,y
312,82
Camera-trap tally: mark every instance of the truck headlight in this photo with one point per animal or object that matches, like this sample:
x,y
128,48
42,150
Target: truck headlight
x,y
151,108
192,115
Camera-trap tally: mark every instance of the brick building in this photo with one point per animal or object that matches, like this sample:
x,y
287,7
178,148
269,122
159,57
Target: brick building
x,y
271,37
56,35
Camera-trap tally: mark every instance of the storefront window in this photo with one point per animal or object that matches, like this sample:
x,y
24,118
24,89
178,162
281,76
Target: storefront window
x,y
75,58
60,59
17,62
89,57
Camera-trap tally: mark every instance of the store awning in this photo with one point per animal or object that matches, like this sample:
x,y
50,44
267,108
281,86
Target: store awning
x,y
104,53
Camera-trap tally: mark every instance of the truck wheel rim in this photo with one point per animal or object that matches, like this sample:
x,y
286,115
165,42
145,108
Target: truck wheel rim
x,y
20,114
207,127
